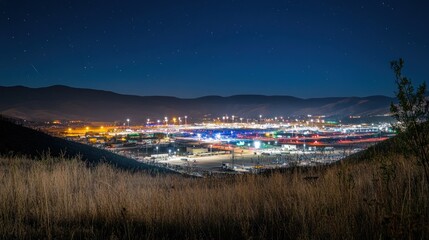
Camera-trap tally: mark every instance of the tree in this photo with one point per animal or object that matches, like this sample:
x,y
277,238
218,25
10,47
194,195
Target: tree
x,y
412,114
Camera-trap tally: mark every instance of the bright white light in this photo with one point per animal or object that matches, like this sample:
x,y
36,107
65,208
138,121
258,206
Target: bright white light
x,y
257,144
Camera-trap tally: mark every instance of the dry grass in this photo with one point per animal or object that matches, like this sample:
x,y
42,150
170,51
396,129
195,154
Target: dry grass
x,y
54,198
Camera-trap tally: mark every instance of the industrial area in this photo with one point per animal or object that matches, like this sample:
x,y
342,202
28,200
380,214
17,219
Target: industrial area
x,y
228,144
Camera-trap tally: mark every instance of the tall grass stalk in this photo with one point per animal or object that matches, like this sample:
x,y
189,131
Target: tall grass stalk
x,y
63,198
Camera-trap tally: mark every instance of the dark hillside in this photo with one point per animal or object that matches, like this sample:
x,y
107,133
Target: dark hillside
x,y
380,193
19,140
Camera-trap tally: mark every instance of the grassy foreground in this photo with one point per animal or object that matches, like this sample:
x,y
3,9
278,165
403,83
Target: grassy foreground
x,y
382,198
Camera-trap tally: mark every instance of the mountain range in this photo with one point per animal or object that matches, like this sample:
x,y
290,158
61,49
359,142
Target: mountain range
x,y
67,103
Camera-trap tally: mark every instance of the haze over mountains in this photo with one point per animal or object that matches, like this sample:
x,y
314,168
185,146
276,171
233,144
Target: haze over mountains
x,y
67,103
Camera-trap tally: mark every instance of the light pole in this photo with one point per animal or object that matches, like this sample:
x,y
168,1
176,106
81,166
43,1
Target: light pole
x,y
304,143
199,138
186,118
128,121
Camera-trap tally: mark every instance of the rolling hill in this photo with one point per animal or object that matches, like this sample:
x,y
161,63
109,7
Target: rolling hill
x,y
19,140
66,103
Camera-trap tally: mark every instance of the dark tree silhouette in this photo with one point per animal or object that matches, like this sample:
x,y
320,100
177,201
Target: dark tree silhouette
x,y
412,114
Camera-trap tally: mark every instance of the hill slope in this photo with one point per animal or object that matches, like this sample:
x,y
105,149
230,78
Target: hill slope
x,y
61,102
20,140
381,195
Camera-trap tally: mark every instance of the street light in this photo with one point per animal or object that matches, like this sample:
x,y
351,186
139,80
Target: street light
x,y
186,118
304,142
128,121
257,144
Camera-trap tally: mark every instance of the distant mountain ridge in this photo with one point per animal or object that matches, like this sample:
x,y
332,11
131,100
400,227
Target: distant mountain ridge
x,y
67,103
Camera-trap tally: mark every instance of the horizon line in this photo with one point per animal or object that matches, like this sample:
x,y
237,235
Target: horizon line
x,y
203,96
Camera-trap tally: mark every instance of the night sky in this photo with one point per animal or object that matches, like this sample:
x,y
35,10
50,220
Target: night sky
x,y
196,48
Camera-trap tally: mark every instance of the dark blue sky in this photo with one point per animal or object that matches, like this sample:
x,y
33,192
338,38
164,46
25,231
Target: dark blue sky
x,y
197,48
